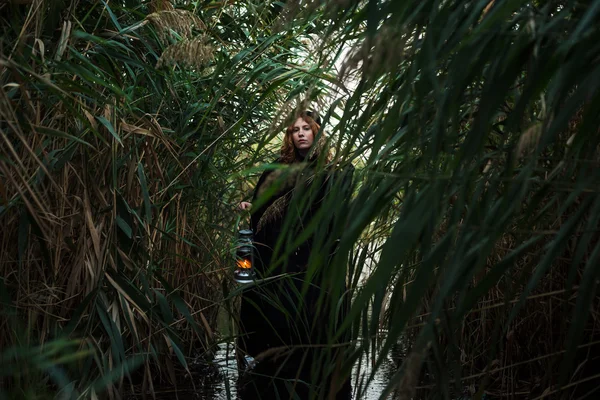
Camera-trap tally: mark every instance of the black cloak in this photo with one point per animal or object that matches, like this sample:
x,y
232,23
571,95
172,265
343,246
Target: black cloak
x,y
287,320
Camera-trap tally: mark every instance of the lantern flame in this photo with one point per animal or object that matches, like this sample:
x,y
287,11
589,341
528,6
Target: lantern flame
x,y
244,263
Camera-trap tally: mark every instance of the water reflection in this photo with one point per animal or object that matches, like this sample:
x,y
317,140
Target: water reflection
x,y
218,379
222,385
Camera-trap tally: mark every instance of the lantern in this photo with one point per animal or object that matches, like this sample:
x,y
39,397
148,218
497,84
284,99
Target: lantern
x,y
244,257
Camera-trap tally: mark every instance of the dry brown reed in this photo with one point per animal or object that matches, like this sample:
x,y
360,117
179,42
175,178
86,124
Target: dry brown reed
x,y
69,243
89,238
175,29
193,53
160,5
170,21
528,360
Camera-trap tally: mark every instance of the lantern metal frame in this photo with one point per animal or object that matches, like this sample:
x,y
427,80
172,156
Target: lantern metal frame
x,y
244,257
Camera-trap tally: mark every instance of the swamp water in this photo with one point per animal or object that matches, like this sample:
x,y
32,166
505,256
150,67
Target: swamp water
x,y
217,380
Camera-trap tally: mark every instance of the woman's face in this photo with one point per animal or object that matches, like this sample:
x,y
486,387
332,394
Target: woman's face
x,y
302,136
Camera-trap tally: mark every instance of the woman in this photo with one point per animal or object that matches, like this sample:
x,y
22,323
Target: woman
x,y
286,319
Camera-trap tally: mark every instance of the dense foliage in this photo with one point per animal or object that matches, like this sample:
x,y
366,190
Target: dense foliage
x,y
130,131
121,131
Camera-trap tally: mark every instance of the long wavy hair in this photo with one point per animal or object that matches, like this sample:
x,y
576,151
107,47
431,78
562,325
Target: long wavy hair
x,y
289,153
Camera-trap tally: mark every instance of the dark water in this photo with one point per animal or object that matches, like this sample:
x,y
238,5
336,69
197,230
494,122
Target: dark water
x,y
217,380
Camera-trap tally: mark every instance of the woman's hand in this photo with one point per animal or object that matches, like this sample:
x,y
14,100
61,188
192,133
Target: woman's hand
x,y
245,206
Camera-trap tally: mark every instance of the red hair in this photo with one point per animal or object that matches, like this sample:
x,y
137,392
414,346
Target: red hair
x,y
289,154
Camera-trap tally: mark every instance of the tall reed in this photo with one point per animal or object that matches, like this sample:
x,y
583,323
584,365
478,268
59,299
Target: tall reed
x,y
121,128
470,242
472,236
